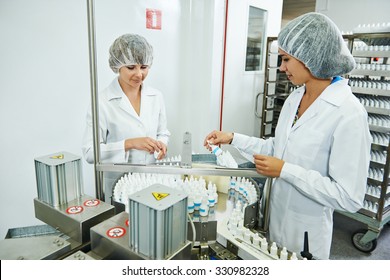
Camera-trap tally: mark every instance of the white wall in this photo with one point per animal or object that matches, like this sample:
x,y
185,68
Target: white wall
x,y
348,14
44,94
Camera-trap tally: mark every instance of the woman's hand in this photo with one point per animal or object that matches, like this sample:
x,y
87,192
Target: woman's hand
x,y
143,143
268,166
162,150
217,138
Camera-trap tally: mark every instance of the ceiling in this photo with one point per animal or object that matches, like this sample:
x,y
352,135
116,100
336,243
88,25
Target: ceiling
x,y
294,8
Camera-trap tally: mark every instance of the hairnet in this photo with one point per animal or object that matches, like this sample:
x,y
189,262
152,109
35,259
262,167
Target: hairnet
x,y
316,41
130,49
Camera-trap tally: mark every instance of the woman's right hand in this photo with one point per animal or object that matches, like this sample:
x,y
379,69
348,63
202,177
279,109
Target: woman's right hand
x,y
143,143
217,138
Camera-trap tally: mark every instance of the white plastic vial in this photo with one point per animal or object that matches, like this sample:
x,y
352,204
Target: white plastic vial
x,y
190,205
216,150
274,250
283,254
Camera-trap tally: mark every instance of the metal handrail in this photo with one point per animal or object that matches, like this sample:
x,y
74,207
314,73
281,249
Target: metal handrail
x,y
168,169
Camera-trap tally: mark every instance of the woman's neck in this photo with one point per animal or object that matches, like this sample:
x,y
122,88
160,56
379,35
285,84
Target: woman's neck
x,y
315,87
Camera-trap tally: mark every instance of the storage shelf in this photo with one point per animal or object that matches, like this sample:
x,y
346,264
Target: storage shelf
x,y
386,213
380,129
378,147
373,181
365,72
276,95
379,111
360,53
371,91
367,213
371,198
377,164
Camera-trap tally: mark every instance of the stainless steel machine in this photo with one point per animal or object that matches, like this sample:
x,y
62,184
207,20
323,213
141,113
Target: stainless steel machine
x,y
158,224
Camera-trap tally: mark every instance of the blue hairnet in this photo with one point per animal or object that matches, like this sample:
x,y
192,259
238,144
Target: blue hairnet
x,y
130,49
316,41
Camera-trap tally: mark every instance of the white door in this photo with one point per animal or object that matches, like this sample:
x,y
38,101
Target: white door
x,y
245,49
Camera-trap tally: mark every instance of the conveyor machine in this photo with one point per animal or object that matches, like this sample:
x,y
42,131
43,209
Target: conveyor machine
x,y
157,224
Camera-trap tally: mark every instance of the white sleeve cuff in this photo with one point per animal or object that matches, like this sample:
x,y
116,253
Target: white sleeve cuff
x,y
290,172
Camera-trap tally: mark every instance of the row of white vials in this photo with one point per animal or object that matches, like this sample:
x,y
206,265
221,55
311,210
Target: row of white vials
x,y
371,206
378,156
372,27
379,120
380,138
196,188
370,83
374,206
243,190
376,173
375,190
361,46
174,160
373,66
376,102
236,227
240,189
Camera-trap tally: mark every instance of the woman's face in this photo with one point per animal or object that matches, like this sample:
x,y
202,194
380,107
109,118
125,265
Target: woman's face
x,y
133,75
295,70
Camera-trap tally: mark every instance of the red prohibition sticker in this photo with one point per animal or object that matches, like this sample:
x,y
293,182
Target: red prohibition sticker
x,y
127,223
74,209
116,232
92,202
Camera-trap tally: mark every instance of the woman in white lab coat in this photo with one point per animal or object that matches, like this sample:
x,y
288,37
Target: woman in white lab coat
x,y
320,154
132,116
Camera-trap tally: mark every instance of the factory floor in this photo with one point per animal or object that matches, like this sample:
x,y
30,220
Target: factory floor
x,y
343,249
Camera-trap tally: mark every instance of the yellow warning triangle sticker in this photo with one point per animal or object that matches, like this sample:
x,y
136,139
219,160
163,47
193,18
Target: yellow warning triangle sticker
x,y
61,156
159,196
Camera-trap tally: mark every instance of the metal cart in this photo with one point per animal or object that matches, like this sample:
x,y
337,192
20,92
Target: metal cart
x,y
372,49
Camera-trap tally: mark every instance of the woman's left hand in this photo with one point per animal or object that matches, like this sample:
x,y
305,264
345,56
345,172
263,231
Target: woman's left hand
x,y
268,166
163,150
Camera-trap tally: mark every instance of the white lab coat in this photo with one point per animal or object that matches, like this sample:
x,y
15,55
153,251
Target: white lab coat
x,y
119,121
327,155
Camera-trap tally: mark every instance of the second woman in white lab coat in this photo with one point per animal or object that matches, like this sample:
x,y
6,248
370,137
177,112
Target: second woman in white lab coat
x,y
320,154
132,116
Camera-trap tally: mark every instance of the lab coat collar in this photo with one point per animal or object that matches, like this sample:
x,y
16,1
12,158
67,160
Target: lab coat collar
x,y
117,92
333,93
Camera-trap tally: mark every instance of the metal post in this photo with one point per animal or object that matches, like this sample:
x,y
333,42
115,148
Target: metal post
x,y
94,99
